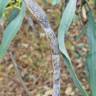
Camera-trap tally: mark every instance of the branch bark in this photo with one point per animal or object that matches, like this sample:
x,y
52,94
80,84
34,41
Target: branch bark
x,y
42,18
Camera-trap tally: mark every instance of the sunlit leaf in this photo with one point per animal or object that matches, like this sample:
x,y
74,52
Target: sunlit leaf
x,y
3,4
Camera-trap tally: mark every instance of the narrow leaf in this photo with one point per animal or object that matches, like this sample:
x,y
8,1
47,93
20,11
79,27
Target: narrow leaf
x,y
66,21
91,58
10,32
13,14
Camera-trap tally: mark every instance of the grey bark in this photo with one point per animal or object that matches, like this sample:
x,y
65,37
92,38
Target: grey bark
x,y
42,18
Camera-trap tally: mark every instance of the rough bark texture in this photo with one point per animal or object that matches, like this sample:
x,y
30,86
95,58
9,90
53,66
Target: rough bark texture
x,y
40,15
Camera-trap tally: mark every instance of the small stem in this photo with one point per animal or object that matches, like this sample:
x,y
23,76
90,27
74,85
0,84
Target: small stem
x,y
18,75
42,18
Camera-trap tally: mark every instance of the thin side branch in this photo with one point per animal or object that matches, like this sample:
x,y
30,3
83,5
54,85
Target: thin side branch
x,y
18,75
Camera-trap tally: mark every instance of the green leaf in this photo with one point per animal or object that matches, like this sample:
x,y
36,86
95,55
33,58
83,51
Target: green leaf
x,y
3,4
91,58
10,32
54,2
13,14
66,21
95,2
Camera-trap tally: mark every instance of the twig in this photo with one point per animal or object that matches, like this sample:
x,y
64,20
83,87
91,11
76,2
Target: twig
x,y
13,79
30,22
18,75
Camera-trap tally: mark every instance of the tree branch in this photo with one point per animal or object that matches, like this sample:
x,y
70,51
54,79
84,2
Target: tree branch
x,y
18,75
42,18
